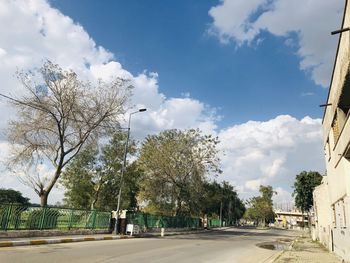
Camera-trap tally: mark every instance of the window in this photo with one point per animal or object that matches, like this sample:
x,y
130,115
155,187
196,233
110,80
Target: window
x,y
328,150
344,100
339,214
343,110
347,153
335,128
344,213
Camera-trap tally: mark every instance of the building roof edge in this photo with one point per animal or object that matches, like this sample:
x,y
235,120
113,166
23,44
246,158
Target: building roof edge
x,y
335,60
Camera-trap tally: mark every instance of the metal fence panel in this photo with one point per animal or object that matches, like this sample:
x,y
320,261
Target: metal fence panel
x,y
214,222
145,220
17,217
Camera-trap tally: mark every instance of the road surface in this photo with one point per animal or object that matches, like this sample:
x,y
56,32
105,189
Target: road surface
x,y
229,245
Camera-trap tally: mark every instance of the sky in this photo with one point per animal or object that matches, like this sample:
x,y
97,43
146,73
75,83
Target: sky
x,y
251,72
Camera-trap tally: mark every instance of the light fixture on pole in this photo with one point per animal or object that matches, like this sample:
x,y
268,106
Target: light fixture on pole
x,y
124,167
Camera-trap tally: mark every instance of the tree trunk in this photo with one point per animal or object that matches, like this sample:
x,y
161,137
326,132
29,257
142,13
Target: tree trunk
x,y
43,198
44,193
178,207
302,219
94,201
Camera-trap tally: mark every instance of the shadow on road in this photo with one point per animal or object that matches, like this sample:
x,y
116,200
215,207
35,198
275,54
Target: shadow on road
x,y
233,232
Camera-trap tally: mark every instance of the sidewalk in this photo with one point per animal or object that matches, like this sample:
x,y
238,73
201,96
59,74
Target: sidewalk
x,y
10,242
55,240
304,250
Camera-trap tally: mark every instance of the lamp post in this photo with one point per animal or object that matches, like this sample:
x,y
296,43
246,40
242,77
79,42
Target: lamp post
x,y
124,167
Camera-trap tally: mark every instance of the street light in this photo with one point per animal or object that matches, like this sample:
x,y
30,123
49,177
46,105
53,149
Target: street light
x,y
124,168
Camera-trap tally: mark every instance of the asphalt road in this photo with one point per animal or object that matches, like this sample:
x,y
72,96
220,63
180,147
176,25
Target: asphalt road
x,y
230,245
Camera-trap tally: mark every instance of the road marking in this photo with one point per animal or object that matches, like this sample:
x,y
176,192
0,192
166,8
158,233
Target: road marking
x,y
89,239
6,244
66,240
38,242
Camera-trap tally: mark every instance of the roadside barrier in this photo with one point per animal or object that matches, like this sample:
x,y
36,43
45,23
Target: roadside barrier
x,y
146,221
19,217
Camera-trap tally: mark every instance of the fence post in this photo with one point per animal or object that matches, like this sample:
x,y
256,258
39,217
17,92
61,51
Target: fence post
x,y
70,223
7,218
93,219
42,219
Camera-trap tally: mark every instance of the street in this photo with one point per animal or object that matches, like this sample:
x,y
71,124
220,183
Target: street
x,y
229,245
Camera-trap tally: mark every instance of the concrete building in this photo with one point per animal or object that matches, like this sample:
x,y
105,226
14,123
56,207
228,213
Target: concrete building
x,y
290,219
322,215
336,139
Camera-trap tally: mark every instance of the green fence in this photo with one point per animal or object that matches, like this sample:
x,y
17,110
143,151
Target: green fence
x,y
213,222
19,217
155,221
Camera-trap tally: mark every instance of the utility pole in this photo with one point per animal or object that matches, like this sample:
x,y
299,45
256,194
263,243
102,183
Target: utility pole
x,y
124,168
221,213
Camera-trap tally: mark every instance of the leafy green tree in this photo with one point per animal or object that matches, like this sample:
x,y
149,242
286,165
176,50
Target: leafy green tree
x,y
261,207
109,192
79,180
232,207
304,185
12,196
92,180
211,199
176,164
222,197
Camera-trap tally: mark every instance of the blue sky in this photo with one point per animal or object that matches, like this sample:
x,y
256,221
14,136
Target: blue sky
x,y
257,81
251,72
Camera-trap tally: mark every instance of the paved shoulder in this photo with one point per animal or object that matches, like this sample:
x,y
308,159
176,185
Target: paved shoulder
x,y
307,251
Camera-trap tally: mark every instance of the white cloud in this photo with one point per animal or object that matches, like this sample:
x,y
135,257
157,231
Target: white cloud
x,y
232,20
305,94
109,71
253,184
32,31
283,198
270,152
312,21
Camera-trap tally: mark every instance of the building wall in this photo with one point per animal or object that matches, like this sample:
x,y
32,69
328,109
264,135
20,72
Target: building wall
x,y
290,219
336,132
323,214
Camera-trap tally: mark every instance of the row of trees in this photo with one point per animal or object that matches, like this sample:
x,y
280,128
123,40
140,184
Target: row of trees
x,y
168,175
62,121
8,196
260,208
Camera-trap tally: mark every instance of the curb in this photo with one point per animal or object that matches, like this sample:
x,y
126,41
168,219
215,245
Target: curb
x,y
274,257
82,239
56,241
157,234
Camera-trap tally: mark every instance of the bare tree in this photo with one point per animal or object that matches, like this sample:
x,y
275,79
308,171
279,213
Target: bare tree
x,y
57,118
